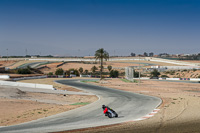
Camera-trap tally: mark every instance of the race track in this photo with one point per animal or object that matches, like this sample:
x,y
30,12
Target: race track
x,y
129,106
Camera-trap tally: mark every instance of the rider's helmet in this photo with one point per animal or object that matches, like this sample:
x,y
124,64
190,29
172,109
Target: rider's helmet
x,y
103,106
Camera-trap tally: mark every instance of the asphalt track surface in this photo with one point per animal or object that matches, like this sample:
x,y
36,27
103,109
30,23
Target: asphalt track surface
x,y
129,106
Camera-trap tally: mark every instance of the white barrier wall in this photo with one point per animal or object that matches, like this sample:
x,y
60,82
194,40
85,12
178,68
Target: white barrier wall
x,y
176,67
189,79
31,85
85,76
172,78
4,77
193,79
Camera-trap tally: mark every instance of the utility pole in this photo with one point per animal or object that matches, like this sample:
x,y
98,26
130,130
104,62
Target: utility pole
x,y
139,69
26,52
7,54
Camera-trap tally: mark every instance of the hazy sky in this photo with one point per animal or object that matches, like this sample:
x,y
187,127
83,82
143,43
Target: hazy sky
x,y
80,27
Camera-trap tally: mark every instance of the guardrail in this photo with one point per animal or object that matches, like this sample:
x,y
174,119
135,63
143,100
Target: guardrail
x,y
25,78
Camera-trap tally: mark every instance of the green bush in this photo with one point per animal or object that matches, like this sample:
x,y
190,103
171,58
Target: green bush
x,y
80,70
164,76
73,71
109,68
93,69
172,72
59,71
23,71
155,73
114,73
50,73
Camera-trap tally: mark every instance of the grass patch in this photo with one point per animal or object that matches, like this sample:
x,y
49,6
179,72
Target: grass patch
x,y
85,103
86,81
128,81
45,110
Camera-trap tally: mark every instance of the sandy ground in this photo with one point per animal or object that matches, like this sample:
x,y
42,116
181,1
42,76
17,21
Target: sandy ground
x,y
179,111
18,106
68,66
148,62
7,63
50,81
193,61
183,74
118,65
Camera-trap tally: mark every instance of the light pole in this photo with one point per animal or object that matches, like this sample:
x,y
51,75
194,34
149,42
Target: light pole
x,y
139,69
26,54
7,54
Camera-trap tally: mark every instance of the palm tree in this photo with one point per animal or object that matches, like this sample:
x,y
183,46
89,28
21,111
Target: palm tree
x,y
101,54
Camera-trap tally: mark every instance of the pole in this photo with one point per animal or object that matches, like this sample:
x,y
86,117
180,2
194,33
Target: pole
x,y
7,54
139,69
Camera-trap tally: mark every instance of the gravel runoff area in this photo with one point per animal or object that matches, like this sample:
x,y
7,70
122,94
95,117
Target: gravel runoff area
x,y
179,112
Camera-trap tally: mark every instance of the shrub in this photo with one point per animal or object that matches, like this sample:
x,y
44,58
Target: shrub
x,y
164,76
155,73
23,71
94,68
50,73
86,72
59,71
114,73
171,72
109,68
73,71
80,70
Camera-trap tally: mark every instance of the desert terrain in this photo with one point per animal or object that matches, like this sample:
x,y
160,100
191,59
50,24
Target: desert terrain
x,y
18,106
178,113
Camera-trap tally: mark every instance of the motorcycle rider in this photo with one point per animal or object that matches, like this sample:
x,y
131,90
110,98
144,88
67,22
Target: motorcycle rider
x,y
109,112
105,110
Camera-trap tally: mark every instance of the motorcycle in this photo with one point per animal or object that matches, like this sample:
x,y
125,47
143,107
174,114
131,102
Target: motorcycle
x,y
110,113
